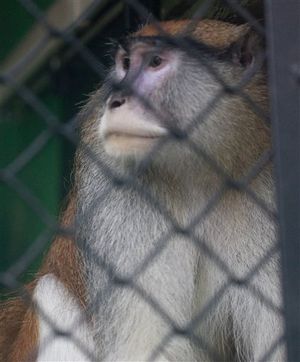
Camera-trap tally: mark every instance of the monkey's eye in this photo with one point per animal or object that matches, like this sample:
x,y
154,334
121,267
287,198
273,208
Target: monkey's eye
x,y
126,63
155,61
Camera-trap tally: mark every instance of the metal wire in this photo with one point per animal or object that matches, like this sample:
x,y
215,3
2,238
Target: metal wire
x,y
54,126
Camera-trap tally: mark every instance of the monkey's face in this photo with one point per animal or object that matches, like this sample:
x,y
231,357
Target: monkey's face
x,y
161,86
157,89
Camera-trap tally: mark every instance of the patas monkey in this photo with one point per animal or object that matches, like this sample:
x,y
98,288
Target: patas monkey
x,y
149,109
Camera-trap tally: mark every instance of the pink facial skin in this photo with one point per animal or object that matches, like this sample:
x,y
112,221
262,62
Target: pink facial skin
x,y
145,67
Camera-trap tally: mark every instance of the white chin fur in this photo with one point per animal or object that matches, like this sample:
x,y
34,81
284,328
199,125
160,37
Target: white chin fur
x,y
127,132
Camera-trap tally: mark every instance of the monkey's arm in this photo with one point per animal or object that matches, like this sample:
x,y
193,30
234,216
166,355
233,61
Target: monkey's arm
x,y
20,332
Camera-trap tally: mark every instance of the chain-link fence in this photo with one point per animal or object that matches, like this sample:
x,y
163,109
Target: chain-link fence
x,y
280,31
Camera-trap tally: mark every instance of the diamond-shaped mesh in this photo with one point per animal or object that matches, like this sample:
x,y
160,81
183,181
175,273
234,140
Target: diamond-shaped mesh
x,y
67,130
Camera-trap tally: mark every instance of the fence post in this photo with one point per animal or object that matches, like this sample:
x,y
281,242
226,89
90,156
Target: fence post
x,y
283,36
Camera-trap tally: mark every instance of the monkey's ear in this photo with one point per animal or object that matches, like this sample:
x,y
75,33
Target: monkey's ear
x,y
248,48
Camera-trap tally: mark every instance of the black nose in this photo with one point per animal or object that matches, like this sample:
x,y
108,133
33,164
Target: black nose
x,y
116,101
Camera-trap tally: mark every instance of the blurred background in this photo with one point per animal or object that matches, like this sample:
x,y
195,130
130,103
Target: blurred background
x,y
61,77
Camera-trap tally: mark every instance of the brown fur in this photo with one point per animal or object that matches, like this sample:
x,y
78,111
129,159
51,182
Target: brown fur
x,y
24,347
213,33
12,320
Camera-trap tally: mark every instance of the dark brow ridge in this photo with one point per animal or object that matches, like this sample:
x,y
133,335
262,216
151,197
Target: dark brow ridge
x,y
187,44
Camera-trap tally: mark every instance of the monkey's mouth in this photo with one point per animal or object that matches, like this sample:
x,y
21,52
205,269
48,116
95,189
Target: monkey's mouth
x,y
130,136
128,133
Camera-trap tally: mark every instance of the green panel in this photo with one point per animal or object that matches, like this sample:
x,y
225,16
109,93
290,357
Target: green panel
x,y
19,225
15,21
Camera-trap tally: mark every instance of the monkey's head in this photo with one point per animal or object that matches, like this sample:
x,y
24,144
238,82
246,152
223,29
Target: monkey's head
x,y
164,80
